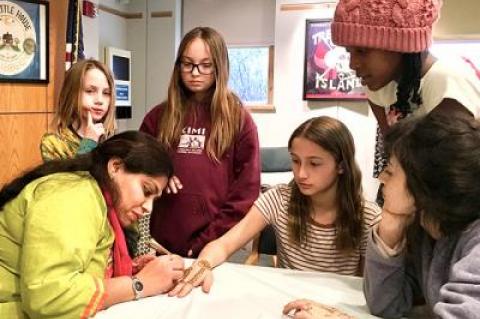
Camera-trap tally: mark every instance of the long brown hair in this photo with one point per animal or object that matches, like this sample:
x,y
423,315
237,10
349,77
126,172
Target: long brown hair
x,y
439,154
69,105
333,136
225,106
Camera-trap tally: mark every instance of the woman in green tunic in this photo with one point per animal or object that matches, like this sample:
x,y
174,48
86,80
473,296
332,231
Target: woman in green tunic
x,y
62,249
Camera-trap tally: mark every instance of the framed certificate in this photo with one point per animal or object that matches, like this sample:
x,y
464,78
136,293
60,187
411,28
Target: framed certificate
x,y
24,41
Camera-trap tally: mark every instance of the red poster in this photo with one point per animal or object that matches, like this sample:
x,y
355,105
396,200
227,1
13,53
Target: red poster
x,y
327,73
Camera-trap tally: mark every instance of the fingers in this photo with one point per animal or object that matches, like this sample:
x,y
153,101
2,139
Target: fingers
x,y
177,289
196,275
171,186
207,283
93,130
145,259
301,304
140,262
393,116
298,309
89,118
178,183
185,288
302,314
177,262
174,185
177,274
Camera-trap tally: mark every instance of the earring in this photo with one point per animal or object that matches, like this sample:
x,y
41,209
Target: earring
x,y
340,168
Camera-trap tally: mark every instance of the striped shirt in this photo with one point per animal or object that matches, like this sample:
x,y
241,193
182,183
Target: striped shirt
x,y
319,252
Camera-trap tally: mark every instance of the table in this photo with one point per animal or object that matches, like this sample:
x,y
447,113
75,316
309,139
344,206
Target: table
x,y
241,291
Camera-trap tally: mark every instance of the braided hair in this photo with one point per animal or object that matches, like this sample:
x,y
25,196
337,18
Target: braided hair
x,y
409,85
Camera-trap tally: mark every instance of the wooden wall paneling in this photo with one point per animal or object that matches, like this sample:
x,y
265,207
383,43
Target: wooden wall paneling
x,y
58,30
49,121
23,107
22,150
22,97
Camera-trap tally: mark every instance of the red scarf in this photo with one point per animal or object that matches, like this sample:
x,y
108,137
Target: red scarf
x,y
122,263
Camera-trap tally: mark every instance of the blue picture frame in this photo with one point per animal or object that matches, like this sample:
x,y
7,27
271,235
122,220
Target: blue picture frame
x,y
24,49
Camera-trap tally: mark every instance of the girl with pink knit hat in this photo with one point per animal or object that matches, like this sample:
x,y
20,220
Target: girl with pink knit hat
x,y
388,41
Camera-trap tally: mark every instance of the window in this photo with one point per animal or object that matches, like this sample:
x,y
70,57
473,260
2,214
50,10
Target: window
x,y
251,76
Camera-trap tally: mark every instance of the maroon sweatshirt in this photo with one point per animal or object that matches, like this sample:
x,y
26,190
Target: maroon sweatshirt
x,y
215,196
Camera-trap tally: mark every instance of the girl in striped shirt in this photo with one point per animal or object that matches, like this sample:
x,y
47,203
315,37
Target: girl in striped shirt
x,y
320,218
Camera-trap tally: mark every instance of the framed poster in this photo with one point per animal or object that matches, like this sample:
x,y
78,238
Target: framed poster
x,y
327,74
24,41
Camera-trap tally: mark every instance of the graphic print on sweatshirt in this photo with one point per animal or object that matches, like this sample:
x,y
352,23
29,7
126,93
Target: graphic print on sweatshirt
x,y
192,140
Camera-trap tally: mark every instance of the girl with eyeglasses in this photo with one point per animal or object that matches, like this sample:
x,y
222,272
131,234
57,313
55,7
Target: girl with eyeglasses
x,y
213,142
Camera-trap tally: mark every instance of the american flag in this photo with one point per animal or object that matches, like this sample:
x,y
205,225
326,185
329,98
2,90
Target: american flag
x,y
74,49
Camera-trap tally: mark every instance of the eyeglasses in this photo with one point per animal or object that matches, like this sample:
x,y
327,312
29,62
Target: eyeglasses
x,y
202,68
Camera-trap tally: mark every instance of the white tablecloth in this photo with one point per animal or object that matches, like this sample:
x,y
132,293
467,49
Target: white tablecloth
x,y
241,291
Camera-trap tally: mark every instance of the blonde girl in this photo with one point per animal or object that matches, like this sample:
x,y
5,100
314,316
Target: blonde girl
x,y
85,112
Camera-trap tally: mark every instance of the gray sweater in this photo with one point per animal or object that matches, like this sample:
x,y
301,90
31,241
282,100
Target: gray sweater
x,y
445,272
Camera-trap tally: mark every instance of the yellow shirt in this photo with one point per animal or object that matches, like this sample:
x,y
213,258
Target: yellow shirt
x,y
55,240
63,145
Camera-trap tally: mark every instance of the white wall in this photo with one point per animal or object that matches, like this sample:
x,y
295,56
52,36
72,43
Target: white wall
x,y
136,35
162,36
152,41
112,31
90,36
246,22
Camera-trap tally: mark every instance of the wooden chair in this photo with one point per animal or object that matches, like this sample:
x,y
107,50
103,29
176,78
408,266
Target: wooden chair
x,y
263,243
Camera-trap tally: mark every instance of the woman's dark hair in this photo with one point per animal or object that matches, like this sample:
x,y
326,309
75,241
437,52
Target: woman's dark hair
x,y
409,83
440,156
333,136
139,153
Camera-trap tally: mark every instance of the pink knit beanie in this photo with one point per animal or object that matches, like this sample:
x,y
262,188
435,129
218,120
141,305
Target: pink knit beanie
x,y
392,25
